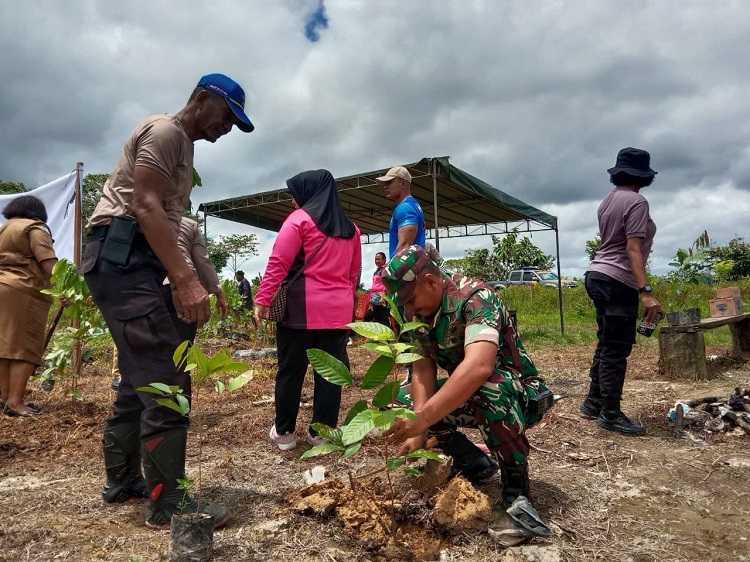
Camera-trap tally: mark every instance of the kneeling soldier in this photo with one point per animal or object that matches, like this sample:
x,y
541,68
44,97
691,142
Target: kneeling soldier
x,y
492,383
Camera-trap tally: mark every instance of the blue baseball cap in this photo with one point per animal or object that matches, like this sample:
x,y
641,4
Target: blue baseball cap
x,y
222,85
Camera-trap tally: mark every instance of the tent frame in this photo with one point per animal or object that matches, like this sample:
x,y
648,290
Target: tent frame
x,y
528,218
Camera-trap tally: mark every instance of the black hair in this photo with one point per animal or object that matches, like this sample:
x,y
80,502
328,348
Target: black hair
x,y
239,272
380,254
623,178
25,207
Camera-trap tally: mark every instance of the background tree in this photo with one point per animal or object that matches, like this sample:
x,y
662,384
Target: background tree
x,y
508,253
693,264
218,254
734,259
91,192
10,187
237,247
592,246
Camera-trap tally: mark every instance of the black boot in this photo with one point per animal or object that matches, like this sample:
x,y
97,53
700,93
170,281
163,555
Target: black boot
x,y
468,459
122,461
615,420
515,482
164,466
590,408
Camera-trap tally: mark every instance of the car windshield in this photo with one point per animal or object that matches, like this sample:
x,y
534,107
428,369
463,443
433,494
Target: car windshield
x,y
548,276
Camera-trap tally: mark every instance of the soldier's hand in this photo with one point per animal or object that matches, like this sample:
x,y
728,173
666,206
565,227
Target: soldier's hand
x,y
403,429
191,301
411,444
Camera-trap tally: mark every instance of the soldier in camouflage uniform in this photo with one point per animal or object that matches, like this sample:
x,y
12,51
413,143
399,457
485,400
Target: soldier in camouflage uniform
x,y
492,381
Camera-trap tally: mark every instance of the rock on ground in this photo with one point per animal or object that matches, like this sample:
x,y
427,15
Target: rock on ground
x,y
532,553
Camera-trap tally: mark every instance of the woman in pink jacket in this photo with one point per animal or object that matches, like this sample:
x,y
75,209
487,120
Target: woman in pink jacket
x,y
320,239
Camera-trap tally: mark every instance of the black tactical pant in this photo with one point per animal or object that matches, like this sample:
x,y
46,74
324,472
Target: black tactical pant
x,y
138,310
616,317
292,346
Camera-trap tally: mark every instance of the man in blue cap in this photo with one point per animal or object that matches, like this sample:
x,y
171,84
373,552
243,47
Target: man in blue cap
x,y
131,247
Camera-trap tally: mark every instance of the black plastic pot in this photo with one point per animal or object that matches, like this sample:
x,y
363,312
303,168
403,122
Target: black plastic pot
x,y
192,538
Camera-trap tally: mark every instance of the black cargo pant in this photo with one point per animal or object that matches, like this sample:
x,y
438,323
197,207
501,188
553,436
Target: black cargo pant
x,y
138,310
292,346
616,317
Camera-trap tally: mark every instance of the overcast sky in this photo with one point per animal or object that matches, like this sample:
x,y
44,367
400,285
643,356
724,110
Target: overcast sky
x,y
535,98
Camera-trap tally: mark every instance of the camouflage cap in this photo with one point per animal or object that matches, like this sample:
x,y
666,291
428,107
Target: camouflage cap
x,y
401,272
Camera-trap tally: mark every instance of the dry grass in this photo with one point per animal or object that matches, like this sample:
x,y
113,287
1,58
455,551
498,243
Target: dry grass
x,y
607,497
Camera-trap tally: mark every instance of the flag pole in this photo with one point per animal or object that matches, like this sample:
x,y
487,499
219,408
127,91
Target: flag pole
x,y
78,235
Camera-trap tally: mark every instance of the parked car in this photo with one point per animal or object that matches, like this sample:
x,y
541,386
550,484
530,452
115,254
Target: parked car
x,y
531,277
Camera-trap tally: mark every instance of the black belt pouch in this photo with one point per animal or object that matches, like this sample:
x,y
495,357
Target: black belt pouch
x,y
118,243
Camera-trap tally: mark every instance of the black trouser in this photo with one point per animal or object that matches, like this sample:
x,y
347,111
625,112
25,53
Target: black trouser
x,y
616,317
380,314
292,346
138,310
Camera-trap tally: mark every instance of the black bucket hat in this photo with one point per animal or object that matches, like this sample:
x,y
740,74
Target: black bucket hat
x,y
633,161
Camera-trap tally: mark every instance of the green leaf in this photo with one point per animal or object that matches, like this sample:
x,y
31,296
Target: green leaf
x,y
358,428
352,450
329,433
384,420
150,390
378,372
373,331
328,367
386,395
395,462
161,386
379,348
197,181
183,404
404,413
426,454
178,357
354,410
404,358
240,380
400,347
413,325
395,312
322,449
171,404
413,471
219,385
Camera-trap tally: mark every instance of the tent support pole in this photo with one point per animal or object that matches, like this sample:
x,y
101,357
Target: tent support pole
x,y
435,204
559,282
205,226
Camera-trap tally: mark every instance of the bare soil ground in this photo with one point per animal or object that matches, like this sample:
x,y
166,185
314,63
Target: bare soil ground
x,y
607,497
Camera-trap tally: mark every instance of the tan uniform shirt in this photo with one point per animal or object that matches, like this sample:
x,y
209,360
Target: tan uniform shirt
x,y
160,143
24,244
193,248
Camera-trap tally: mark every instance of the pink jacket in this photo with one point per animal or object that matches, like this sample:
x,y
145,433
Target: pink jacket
x,y
322,297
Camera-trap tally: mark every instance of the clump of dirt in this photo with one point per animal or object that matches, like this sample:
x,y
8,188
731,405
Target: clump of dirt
x,y
320,499
366,520
461,507
435,475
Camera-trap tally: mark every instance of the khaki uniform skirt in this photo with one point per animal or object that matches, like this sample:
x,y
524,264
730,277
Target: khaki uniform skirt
x,y
23,324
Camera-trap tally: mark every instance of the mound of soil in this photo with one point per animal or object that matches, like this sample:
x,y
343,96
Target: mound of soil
x,y
461,507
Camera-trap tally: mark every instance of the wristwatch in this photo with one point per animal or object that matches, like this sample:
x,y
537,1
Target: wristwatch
x,y
645,289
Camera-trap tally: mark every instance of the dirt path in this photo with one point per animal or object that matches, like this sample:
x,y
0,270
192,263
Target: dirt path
x,y
606,496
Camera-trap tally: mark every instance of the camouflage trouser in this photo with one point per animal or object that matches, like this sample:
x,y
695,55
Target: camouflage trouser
x,y
496,409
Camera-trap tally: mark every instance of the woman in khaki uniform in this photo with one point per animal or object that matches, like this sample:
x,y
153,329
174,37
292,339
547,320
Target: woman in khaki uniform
x,y
26,262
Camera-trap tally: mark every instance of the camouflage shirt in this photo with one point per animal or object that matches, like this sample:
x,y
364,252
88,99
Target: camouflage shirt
x,y
470,312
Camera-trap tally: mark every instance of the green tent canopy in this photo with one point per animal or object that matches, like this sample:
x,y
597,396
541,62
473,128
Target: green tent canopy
x,y
455,204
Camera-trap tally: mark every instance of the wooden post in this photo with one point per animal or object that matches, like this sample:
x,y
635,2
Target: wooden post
x,y
740,337
78,236
682,354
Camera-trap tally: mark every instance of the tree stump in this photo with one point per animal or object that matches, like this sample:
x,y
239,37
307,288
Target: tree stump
x,y
682,354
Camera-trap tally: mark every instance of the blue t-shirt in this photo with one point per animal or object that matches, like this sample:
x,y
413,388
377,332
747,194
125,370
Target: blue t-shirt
x,y
406,213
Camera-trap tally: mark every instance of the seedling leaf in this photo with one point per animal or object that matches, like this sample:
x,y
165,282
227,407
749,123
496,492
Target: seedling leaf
x,y
322,449
354,410
358,428
373,331
328,367
386,395
404,358
378,372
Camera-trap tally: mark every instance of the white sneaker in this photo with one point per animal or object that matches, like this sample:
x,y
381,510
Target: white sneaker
x,y
284,442
314,440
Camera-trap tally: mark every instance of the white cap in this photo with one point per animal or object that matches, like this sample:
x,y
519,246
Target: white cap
x,y
395,172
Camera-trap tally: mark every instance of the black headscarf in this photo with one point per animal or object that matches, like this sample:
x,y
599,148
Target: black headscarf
x,y
315,191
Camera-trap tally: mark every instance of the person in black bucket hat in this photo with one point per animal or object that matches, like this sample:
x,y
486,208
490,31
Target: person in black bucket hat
x,y
616,281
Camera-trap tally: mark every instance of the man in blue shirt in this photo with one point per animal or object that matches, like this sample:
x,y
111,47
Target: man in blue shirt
x,y
407,221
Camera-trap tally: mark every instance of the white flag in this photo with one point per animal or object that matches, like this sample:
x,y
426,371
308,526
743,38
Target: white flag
x,y
58,197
